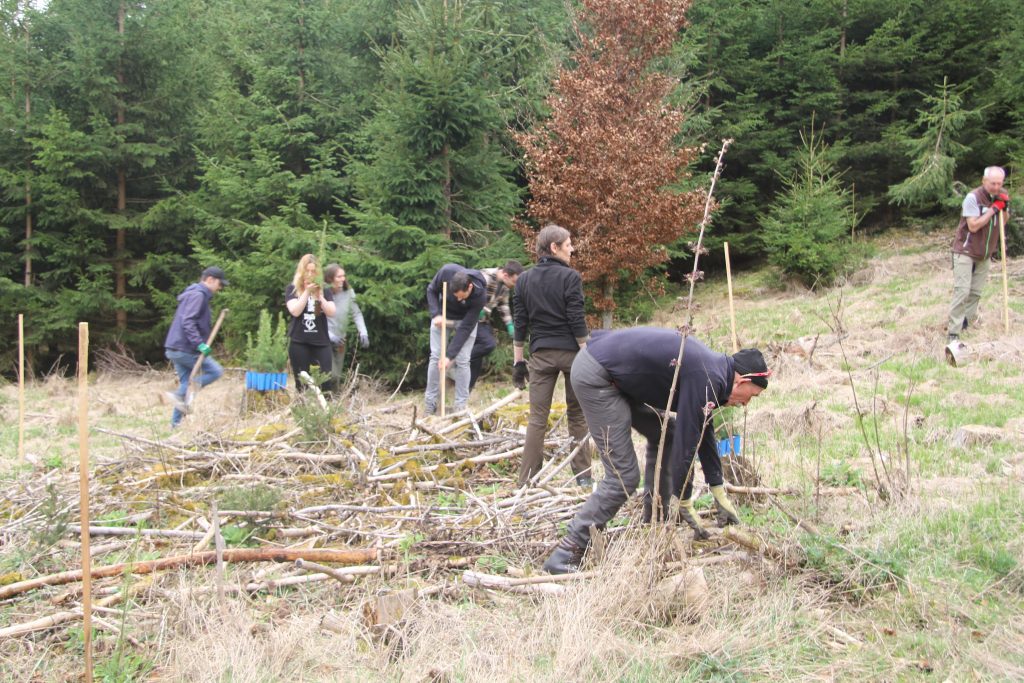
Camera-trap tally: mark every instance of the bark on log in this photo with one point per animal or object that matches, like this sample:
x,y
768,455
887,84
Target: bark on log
x,y
193,560
749,540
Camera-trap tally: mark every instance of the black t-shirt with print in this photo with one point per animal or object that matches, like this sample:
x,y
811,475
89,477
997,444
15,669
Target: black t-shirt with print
x,y
310,327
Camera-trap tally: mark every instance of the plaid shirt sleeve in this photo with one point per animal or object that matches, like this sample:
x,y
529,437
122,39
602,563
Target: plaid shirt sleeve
x,y
497,296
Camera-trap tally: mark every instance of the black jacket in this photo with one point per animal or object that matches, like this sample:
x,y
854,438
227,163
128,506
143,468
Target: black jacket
x,y
641,362
467,311
549,306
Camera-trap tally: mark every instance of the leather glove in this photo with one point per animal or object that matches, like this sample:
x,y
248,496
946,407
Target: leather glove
x,y
519,374
364,340
204,349
1002,201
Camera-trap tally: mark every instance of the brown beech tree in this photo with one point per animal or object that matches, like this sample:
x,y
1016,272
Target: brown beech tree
x,y
606,163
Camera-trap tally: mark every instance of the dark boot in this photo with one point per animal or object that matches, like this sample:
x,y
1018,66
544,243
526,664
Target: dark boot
x,y
566,558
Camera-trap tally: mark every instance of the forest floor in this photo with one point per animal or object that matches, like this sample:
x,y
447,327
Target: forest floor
x,y
883,543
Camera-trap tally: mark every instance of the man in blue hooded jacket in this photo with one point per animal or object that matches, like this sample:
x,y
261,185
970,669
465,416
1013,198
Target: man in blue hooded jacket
x,y
186,340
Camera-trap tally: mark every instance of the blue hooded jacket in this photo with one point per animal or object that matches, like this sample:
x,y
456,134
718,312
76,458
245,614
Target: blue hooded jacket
x,y
191,324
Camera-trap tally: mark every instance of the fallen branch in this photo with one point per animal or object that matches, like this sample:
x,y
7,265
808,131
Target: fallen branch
x,y
193,560
749,540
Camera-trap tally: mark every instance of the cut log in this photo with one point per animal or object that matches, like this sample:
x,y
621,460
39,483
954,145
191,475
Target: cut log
x,y
749,540
388,610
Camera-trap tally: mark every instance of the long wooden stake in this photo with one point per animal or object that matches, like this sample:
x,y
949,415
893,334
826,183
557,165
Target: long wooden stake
x,y
199,361
356,556
1006,286
732,311
83,490
21,388
444,342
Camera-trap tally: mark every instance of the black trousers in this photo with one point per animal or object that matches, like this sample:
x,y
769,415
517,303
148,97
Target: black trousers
x,y
483,346
303,356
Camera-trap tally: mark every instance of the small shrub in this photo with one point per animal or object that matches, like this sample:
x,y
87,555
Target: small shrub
x,y
269,352
842,474
258,497
807,229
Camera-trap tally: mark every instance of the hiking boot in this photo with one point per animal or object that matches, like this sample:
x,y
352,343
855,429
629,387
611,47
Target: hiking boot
x,y
585,482
176,401
566,558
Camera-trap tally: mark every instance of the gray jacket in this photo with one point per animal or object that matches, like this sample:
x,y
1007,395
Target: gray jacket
x,y
344,305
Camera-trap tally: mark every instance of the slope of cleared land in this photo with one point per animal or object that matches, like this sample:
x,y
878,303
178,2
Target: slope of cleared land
x,y
889,547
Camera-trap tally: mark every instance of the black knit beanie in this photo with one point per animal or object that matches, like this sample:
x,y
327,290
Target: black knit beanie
x,y
748,361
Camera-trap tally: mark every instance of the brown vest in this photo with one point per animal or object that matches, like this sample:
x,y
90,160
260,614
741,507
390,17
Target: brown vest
x,y
984,243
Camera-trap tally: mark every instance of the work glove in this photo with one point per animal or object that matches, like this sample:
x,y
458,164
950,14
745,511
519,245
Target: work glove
x,y
364,340
511,329
1001,202
483,316
725,511
204,349
519,374
689,515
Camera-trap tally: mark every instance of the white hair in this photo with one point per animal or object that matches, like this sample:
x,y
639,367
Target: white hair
x,y
991,171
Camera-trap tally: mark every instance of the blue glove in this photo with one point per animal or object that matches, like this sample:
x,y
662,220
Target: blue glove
x,y
204,349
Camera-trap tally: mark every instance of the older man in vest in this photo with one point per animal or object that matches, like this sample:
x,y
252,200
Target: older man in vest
x,y
976,241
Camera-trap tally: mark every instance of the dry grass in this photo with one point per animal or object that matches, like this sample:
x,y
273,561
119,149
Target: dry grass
x,y
925,587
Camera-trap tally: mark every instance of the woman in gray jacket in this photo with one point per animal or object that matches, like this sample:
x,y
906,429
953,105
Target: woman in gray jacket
x,y
345,307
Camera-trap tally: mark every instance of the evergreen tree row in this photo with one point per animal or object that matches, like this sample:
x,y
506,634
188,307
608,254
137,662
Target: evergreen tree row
x,y
143,141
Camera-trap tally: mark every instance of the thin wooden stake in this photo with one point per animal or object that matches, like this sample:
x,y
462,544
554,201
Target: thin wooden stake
x,y
732,311
687,326
218,544
192,388
83,490
1006,286
444,342
21,388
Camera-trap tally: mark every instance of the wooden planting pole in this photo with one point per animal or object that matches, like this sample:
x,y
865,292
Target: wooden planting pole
x,y
83,490
1006,286
732,311
192,388
21,388
444,342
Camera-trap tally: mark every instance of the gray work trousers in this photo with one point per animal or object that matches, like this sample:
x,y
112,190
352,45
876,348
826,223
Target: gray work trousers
x,y
969,277
611,416
545,366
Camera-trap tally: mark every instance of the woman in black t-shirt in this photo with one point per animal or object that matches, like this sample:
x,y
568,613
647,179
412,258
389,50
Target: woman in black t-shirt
x,y
309,305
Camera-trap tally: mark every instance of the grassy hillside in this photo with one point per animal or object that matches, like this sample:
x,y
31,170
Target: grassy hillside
x,y
891,544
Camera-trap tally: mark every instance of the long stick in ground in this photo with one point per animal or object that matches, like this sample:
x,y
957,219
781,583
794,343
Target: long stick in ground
x,y
656,502
732,311
358,556
192,388
1006,286
444,343
83,490
21,387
